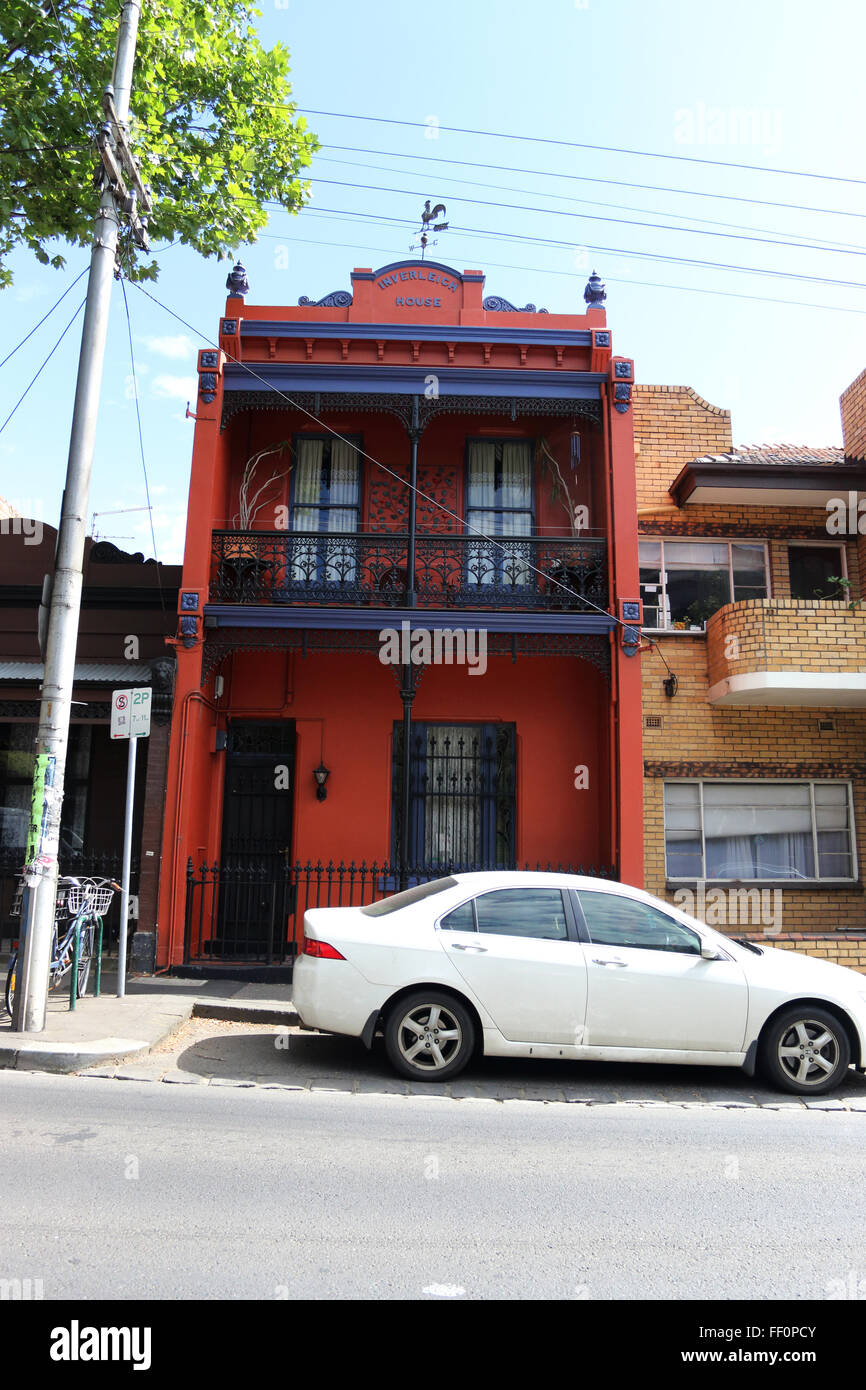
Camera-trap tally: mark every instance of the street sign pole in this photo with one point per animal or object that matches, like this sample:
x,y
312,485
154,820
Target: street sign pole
x,y
130,719
127,857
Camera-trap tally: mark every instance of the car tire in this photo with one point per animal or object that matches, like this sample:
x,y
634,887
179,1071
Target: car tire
x,y
429,1036
805,1050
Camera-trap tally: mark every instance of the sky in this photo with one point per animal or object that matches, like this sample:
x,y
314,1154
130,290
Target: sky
x,y
679,92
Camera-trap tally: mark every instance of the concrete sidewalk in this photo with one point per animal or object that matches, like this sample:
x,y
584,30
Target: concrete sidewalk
x,y
110,1029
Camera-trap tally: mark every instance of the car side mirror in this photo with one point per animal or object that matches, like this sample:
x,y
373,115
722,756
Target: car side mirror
x,y
709,951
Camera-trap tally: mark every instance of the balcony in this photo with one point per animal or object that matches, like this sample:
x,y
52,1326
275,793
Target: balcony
x,y
353,569
787,652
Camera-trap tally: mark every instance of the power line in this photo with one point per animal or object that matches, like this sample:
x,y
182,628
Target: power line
x,y
44,317
539,270
611,250
592,217
589,178
404,482
141,440
566,198
571,144
38,373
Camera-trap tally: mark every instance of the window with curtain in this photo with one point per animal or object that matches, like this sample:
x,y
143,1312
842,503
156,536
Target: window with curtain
x,y
326,497
685,582
462,794
499,502
758,830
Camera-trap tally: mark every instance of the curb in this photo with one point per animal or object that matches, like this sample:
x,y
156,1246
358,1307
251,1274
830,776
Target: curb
x,y
28,1055
246,1013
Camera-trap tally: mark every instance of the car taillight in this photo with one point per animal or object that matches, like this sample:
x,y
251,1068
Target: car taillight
x,y
321,949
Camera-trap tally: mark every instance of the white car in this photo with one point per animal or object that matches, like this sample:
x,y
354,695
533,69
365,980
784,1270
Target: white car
x,y
553,965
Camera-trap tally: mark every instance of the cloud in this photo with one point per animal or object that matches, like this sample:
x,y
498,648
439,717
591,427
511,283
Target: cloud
x,y
175,388
175,346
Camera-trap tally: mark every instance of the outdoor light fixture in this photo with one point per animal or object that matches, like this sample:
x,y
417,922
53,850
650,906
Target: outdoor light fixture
x,y
320,776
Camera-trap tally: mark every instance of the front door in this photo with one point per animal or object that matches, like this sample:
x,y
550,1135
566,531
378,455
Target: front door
x,y
255,877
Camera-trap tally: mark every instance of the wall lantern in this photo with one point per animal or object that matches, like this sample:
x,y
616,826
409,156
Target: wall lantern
x,y
320,776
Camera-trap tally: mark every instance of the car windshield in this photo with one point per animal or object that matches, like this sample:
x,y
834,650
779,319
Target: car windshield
x,y
411,895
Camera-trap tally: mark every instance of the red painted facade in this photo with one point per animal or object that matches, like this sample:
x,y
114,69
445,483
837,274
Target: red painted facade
x,y
269,636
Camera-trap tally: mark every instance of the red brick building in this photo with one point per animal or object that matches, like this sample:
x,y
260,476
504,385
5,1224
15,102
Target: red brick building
x,y
404,464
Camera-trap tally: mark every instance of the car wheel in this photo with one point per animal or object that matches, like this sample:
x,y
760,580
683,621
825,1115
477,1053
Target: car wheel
x,y
805,1050
429,1036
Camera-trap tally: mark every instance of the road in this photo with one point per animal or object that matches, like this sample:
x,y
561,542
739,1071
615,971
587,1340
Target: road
x,y
116,1188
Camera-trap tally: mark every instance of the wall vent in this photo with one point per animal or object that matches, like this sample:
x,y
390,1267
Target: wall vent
x,y
653,721
826,726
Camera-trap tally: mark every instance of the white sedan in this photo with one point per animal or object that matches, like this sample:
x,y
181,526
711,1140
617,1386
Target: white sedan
x,y
553,965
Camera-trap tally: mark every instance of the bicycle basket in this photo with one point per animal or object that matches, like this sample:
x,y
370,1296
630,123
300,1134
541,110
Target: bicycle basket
x,y
101,899
77,895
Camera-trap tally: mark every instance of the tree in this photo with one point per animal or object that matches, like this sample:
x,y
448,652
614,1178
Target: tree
x,y
212,124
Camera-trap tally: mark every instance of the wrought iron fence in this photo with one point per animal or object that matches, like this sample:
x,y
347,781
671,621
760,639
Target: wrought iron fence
x,y
451,571
250,912
99,864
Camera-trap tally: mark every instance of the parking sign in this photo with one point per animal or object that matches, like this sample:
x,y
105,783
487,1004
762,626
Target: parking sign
x,y
130,713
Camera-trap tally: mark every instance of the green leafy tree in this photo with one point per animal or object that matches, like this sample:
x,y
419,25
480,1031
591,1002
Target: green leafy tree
x,y
211,123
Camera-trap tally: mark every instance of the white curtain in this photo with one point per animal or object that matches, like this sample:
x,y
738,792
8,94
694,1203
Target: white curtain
x,y
312,513
504,566
452,826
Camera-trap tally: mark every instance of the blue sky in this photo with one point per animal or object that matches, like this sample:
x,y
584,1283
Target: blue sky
x,y
743,82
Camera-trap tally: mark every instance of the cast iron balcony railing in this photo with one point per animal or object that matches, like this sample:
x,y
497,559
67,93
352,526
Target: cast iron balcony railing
x,y
351,569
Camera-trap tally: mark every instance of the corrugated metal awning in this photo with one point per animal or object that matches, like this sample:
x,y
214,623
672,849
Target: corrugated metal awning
x,y
117,673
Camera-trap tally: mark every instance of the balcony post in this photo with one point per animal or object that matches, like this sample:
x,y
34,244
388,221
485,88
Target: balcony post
x,y
408,689
414,436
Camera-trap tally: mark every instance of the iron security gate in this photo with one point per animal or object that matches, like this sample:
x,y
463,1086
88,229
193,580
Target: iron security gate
x,y
253,906
462,794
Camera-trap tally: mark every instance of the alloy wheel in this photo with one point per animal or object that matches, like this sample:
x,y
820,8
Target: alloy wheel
x,y
808,1052
429,1036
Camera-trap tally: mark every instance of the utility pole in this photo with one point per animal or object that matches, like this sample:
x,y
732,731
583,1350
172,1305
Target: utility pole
x,y
122,192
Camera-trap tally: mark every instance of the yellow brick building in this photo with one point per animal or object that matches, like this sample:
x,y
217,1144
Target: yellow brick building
x,y
754,673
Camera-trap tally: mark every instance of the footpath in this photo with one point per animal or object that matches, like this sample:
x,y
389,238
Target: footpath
x,y
154,1007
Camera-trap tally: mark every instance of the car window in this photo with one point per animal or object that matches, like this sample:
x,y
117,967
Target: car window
x,y
461,919
617,921
533,912
411,895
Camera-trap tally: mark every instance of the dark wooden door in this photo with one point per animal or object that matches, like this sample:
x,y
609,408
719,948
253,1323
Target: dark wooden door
x,y
255,860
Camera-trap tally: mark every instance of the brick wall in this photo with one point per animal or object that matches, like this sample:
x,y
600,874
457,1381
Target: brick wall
x,y
785,634
853,406
672,426
698,740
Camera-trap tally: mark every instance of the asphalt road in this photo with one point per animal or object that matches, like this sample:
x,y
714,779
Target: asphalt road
x,y
117,1189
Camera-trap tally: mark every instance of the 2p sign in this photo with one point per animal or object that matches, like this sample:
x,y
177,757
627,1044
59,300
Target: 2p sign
x,y
130,713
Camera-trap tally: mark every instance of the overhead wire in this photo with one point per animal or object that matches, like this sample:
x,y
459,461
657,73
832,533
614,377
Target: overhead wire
x,y
44,364
29,335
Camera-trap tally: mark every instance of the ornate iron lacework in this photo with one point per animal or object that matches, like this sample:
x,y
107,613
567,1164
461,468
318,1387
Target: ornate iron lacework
x,y
29,709
496,305
337,299
379,403
221,642
452,571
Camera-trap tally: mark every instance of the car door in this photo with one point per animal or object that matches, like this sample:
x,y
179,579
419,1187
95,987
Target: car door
x,y
518,951
648,985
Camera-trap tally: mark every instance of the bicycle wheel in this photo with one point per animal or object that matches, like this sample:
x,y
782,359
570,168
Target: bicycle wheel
x,y
10,983
85,956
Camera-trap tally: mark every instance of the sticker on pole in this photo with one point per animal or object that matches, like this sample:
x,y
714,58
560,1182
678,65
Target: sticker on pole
x,y
130,713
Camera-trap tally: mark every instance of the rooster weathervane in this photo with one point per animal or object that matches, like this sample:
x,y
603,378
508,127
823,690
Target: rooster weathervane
x,y
427,217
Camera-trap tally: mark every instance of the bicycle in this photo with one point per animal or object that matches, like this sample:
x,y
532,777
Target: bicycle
x,y
84,902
